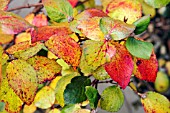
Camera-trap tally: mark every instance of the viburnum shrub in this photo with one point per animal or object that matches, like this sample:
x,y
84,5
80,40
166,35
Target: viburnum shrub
x,y
57,63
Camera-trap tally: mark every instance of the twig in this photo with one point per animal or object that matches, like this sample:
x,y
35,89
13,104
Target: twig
x,y
109,81
26,6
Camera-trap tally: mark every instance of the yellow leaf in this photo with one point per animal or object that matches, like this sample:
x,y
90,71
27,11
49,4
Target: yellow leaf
x,y
55,110
82,111
148,10
22,37
29,108
5,38
54,82
50,55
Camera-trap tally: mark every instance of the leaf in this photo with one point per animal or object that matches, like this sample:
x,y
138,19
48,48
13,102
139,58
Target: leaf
x,y
157,3
12,102
75,92
141,24
5,58
73,2
44,33
146,69
100,73
125,9
11,23
90,28
45,68
55,110
30,52
45,98
23,80
22,37
40,20
93,96
155,103
82,111
112,99
139,48
116,29
4,4
5,38
2,106
1,62
54,82
121,67
66,48
148,10
29,109
61,85
58,10
92,58
70,108
105,4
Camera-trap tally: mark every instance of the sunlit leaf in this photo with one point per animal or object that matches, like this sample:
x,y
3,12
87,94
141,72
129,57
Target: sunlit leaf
x,y
45,98
5,38
92,58
105,4
29,108
30,52
148,10
29,18
142,24
58,10
139,48
121,67
146,69
11,23
66,48
22,79
157,3
70,108
54,82
4,4
155,103
46,69
5,58
100,73
93,96
75,92
12,102
55,110
44,33
124,9
22,37
61,85
112,99
40,20
116,29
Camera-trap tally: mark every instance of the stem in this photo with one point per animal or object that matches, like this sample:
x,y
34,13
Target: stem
x,y
26,6
109,81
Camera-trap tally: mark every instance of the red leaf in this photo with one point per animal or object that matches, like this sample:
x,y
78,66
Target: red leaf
x,y
73,2
40,20
44,33
121,67
146,69
66,48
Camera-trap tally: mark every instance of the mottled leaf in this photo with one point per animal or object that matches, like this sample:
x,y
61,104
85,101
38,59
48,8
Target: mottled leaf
x,y
92,58
58,10
5,58
93,96
125,9
146,69
61,85
45,98
11,23
139,48
112,99
23,80
4,4
29,108
13,103
155,103
105,4
116,29
46,69
66,48
40,20
121,67
44,33
75,92
141,24
100,73
157,3
70,108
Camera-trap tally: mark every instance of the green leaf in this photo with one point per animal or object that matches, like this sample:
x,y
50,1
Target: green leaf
x,y
93,96
157,3
142,24
116,29
46,69
112,99
100,74
70,108
2,106
58,10
155,103
23,80
75,91
11,23
139,48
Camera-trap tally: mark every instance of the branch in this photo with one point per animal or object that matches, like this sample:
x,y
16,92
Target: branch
x,y
26,6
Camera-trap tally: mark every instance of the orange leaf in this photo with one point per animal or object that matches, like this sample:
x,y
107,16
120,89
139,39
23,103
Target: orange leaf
x,y
121,67
23,80
66,48
44,33
46,69
146,69
4,4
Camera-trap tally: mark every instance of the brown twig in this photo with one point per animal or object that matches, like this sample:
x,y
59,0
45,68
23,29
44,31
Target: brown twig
x,y
25,6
